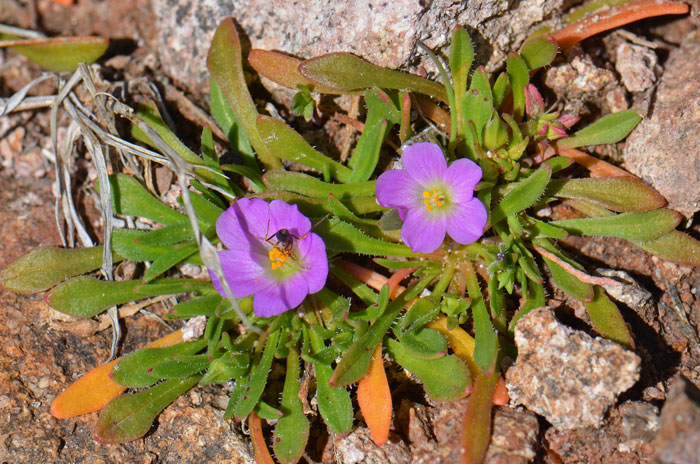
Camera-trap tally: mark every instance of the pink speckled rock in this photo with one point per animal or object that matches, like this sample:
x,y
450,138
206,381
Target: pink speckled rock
x,y
566,375
380,31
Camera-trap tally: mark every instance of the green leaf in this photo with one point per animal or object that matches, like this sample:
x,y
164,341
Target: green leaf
x,y
202,306
283,69
258,379
461,58
339,306
609,129
139,245
60,54
226,367
130,198
486,344
289,145
519,77
149,114
303,103
226,119
310,186
135,369
539,52
181,366
129,417
88,296
620,194
420,313
522,196
292,430
607,319
334,404
356,359
225,65
173,255
343,72
500,89
674,246
43,268
395,264
343,237
570,284
425,343
366,294
444,379
205,210
382,115
645,226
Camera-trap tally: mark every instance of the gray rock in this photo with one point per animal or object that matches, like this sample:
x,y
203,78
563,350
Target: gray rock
x,y
565,375
383,32
636,65
664,150
678,439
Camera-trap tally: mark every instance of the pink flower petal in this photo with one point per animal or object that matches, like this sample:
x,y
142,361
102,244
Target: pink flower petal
x,y
396,189
461,178
424,162
423,233
247,216
312,251
277,299
245,272
465,224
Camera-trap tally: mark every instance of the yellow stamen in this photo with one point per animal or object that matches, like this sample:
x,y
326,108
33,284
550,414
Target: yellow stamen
x,y
277,258
434,199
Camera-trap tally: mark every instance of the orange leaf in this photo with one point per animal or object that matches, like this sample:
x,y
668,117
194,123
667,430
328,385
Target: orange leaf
x,y
64,2
374,398
597,167
94,390
615,17
500,393
260,449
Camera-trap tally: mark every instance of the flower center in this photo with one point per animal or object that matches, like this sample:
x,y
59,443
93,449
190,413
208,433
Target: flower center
x,y
433,199
278,257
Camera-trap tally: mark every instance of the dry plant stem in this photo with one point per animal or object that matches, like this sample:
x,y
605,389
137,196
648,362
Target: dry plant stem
x,y
262,453
580,275
615,17
597,167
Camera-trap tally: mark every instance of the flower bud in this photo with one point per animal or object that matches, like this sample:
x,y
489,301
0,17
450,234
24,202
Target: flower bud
x,y
495,133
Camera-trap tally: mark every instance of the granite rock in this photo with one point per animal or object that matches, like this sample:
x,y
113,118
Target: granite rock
x,y
385,33
664,149
566,375
678,439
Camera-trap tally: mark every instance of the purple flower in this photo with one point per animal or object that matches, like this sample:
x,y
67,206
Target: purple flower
x,y
433,199
271,254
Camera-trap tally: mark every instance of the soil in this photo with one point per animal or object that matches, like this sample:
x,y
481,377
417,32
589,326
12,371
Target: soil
x,y
40,357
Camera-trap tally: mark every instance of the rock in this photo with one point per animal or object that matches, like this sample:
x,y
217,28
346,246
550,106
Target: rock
x,y
383,32
663,150
565,375
513,438
358,447
580,81
623,439
636,66
678,439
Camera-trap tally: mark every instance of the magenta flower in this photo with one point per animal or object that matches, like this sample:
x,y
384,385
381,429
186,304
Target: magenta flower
x,y
433,199
271,254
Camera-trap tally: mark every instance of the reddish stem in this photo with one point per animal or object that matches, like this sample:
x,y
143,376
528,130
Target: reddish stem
x,y
616,17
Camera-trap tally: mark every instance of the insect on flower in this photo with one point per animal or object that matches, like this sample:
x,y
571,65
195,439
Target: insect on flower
x,y
279,268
